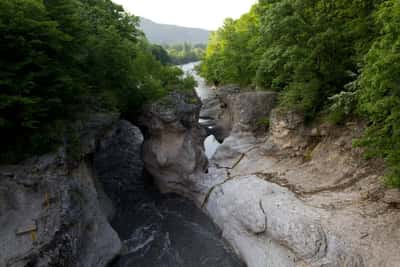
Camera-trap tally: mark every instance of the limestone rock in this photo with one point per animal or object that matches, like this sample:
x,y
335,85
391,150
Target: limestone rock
x,y
251,110
286,128
233,111
173,149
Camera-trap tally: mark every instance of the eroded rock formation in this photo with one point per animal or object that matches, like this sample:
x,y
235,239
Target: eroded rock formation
x,y
173,149
293,196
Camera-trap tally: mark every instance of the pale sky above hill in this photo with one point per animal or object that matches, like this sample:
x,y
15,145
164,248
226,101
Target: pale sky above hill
x,y
206,14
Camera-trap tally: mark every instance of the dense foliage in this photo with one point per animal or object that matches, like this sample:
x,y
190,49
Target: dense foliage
x,y
335,57
185,53
60,59
379,89
233,51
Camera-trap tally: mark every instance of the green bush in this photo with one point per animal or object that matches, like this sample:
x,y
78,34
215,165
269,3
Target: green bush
x,y
343,106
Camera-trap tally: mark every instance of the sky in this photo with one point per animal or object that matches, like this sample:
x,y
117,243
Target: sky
x,y
206,14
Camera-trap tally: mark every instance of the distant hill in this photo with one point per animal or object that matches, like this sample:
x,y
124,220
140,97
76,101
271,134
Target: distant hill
x,y
171,34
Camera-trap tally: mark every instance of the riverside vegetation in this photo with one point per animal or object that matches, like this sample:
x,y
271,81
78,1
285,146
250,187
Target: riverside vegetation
x,y
61,59
330,60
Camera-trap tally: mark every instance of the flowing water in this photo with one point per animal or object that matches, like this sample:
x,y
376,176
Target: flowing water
x,y
168,230
203,91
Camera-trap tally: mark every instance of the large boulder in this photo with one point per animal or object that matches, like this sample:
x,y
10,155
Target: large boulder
x,y
287,129
250,111
234,112
173,149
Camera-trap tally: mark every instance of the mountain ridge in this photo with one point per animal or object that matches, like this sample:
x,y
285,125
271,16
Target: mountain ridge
x,y
173,34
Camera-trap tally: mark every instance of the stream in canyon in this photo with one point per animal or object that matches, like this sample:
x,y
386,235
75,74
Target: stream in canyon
x,y
203,91
168,230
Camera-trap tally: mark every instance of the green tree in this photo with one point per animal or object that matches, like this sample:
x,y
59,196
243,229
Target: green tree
x,y
311,49
35,85
234,50
380,91
185,53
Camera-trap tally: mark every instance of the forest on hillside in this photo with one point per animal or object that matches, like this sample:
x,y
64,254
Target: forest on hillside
x,y
164,34
330,60
63,59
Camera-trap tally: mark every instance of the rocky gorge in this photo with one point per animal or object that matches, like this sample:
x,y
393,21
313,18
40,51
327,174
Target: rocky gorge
x,y
281,193
97,207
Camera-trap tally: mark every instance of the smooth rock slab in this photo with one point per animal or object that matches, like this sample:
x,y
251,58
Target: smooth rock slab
x,y
248,208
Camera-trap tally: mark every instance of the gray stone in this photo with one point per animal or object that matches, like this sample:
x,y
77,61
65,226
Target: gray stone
x,y
173,148
70,228
117,161
54,213
235,112
286,128
392,196
251,110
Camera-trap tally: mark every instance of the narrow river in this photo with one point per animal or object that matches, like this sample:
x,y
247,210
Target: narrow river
x,y
168,230
203,91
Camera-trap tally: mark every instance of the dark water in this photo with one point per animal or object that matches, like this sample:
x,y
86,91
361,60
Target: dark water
x,y
168,231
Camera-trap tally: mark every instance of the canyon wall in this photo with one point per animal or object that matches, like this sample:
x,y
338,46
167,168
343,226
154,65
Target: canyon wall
x,y
54,209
